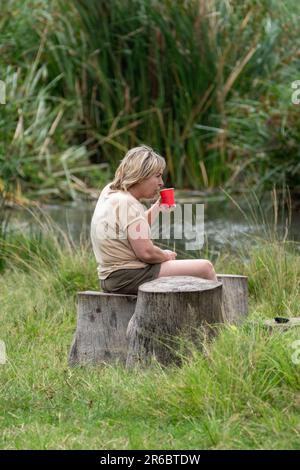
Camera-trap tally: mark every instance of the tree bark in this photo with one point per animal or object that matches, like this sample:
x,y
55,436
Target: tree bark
x,y
165,309
168,308
102,320
235,297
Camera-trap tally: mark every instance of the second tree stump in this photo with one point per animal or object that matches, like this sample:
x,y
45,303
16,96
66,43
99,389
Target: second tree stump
x,y
235,297
167,308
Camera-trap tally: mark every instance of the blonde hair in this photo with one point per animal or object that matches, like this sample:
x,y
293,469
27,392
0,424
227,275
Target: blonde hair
x,y
138,164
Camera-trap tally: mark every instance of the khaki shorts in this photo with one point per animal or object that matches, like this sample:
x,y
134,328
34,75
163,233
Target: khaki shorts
x,y
127,281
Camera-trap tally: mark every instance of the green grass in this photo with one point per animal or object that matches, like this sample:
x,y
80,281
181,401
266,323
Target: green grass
x,y
242,394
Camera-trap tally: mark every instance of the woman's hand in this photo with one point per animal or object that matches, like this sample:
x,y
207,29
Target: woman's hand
x,y
163,207
155,209
170,254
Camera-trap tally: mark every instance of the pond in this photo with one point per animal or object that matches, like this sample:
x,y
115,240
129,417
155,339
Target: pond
x,y
227,227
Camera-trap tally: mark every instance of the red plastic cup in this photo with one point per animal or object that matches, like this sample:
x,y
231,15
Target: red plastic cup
x,y
167,196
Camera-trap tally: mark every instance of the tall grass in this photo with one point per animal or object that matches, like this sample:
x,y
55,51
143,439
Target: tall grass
x,y
37,123
270,257
243,394
207,83
171,74
4,219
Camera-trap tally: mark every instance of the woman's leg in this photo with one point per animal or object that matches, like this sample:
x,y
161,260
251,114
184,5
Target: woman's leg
x,y
194,267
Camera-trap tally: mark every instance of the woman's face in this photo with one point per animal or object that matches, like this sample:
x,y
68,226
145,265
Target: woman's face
x,y
150,187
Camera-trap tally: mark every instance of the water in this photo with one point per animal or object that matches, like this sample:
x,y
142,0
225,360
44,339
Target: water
x,y
226,227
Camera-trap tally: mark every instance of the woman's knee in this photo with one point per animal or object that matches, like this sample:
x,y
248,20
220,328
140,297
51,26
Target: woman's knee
x,y
208,270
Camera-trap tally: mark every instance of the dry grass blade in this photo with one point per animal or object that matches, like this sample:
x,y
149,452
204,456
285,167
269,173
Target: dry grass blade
x,y
237,70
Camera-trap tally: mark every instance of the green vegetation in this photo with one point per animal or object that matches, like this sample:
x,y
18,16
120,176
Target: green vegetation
x,y
208,84
242,394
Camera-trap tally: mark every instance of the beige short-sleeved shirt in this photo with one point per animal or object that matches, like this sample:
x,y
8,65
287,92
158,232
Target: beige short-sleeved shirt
x,y
114,212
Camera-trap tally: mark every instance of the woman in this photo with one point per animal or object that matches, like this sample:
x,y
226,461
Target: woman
x,y
120,228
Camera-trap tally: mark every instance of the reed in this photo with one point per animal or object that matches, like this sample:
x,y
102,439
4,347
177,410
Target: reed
x,y
207,83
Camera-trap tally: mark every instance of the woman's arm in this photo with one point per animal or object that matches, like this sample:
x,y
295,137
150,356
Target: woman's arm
x,y
154,210
143,246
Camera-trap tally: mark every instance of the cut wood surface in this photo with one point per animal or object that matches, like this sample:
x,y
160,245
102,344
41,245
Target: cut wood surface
x,y
169,307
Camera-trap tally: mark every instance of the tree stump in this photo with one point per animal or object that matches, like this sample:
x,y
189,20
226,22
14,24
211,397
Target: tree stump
x,y
167,308
281,324
235,297
102,320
